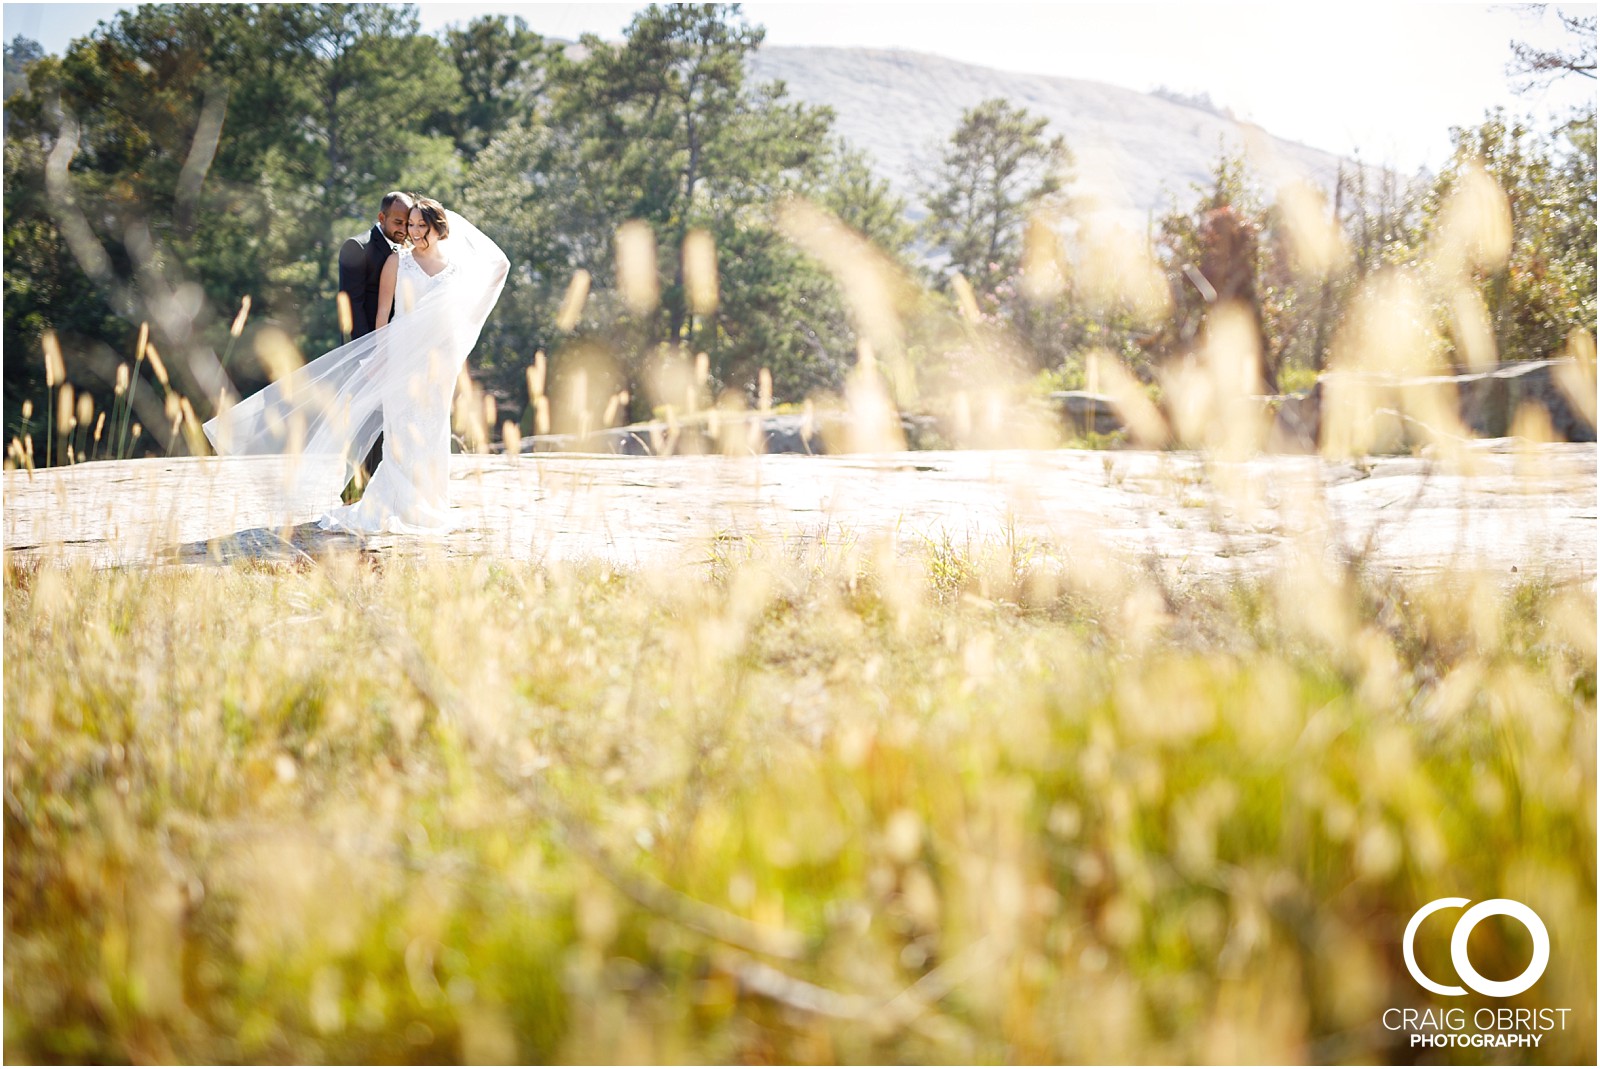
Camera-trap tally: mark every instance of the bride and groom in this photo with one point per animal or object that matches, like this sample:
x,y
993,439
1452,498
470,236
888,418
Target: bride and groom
x,y
420,286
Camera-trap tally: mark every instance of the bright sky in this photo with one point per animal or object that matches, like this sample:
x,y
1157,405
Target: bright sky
x,y
1386,81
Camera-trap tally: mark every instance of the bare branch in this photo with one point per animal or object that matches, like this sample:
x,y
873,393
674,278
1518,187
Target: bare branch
x,y
1539,67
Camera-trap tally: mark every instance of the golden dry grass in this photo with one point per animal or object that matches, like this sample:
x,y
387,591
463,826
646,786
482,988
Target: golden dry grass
x,y
777,806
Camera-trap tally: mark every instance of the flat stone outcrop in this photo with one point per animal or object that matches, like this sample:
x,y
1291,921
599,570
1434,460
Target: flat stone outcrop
x,y
1504,505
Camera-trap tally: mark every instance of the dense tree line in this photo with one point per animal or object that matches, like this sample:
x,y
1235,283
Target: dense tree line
x,y
183,158
1293,257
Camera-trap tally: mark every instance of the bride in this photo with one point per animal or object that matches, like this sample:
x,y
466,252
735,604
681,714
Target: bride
x,y
399,379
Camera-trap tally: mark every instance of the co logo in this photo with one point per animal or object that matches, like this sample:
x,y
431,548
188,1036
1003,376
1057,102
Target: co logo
x,y
1493,907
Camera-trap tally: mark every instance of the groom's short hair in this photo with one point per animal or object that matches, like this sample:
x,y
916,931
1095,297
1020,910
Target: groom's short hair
x,y
393,195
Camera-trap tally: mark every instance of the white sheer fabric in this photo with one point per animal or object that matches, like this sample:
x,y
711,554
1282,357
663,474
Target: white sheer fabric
x,y
400,379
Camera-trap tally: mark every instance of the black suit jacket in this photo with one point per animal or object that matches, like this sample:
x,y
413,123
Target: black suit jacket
x,y
360,265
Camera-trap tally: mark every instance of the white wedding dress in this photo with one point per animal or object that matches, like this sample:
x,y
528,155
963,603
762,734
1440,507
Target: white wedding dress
x,y
323,418
409,491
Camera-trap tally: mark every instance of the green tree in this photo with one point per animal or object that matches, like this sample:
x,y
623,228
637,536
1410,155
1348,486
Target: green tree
x,y
20,51
1383,218
540,198
1191,246
666,105
45,288
111,240
355,88
666,130
208,152
501,65
847,186
217,151
1233,244
1546,288
997,168
545,199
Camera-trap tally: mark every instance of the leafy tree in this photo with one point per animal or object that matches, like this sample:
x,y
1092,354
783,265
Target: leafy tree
x,y
847,186
1233,244
501,65
1383,223
996,169
20,51
665,130
45,288
223,150
224,147
1546,288
1562,220
355,87
665,105
110,246
1211,249
539,198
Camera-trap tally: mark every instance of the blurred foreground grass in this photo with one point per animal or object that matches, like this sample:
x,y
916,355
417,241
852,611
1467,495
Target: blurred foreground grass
x,y
779,805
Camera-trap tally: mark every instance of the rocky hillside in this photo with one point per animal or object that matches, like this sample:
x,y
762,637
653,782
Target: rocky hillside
x,y
1133,148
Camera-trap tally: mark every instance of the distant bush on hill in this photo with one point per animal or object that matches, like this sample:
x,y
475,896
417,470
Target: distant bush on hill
x,y
1201,101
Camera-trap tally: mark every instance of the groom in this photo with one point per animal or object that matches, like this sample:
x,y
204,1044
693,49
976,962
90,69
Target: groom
x,y
361,261
360,265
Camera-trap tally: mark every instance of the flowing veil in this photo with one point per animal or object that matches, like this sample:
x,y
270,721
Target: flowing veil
x,y
324,416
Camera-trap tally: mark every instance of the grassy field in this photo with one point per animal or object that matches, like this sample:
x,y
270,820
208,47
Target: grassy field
x,y
780,804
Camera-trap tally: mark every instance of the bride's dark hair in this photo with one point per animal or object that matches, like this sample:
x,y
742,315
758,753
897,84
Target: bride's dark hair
x,y
432,214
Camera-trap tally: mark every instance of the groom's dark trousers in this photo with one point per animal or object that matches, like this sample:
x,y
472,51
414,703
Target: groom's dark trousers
x,y
360,265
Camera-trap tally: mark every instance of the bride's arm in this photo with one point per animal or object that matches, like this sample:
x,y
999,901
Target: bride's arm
x,y
386,280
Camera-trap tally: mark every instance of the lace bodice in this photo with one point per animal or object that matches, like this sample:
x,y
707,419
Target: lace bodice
x,y
413,283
